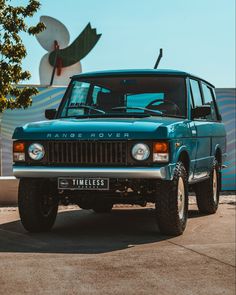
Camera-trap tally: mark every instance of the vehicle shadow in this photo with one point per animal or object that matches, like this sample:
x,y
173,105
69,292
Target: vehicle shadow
x,y
82,231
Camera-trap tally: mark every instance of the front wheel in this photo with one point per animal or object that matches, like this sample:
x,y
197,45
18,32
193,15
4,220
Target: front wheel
x,y
37,204
172,203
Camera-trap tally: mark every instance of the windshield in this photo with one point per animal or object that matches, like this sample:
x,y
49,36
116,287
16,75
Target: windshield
x,y
125,96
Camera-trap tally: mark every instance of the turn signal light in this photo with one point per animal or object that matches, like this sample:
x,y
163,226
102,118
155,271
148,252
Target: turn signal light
x,y
161,152
18,151
160,147
18,147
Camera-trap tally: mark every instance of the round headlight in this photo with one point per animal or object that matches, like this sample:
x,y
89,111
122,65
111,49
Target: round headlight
x,y
140,151
36,151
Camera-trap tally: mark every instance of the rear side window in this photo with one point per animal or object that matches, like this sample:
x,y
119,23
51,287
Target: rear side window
x,y
196,93
209,100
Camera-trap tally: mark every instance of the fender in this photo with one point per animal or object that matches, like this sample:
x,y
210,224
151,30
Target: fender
x,y
175,157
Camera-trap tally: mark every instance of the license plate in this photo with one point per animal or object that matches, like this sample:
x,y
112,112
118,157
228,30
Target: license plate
x,y
83,183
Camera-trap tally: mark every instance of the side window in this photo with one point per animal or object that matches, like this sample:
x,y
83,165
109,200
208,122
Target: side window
x,y
78,95
209,100
196,93
191,99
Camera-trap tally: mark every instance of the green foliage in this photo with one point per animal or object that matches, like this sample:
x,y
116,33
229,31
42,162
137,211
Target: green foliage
x,y
13,51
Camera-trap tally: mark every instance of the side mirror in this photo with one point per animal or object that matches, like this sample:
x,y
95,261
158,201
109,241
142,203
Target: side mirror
x,y
201,111
50,114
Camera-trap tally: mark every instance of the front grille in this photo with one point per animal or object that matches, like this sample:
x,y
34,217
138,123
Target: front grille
x,y
87,152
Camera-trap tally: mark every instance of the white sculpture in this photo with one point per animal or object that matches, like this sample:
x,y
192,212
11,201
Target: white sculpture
x,y
62,60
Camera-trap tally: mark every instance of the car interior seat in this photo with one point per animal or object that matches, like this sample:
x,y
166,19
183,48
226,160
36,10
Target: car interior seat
x,y
168,106
107,101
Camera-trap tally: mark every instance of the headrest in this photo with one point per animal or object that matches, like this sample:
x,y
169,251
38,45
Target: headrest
x,y
107,101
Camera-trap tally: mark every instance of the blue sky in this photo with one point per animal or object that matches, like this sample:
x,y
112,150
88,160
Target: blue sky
x,y
196,36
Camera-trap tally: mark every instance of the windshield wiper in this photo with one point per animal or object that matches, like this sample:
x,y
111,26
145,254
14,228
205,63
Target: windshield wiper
x,y
84,106
149,111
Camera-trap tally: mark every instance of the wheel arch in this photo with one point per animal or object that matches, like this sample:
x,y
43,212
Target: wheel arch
x,y
185,159
218,154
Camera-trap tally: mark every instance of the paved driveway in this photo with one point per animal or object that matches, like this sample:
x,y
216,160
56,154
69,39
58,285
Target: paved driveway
x,y
119,253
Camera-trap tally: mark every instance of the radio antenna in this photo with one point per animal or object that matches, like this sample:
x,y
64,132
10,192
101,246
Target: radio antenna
x,y
159,58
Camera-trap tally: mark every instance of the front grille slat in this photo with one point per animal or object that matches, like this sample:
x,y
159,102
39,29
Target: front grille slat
x,y
52,152
95,152
100,153
67,153
62,153
57,152
120,152
106,152
87,152
75,152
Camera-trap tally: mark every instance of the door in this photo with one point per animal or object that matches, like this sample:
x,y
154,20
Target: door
x,y
217,127
203,134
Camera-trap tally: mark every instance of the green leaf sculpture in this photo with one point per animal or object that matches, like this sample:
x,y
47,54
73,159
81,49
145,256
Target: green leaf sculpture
x,y
78,49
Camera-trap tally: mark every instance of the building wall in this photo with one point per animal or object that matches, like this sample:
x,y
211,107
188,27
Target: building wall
x,y
226,99
49,97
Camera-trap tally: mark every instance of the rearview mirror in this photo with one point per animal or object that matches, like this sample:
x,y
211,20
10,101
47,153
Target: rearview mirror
x,y
201,111
50,114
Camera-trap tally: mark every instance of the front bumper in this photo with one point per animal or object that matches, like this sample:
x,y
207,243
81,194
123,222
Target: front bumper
x,y
123,172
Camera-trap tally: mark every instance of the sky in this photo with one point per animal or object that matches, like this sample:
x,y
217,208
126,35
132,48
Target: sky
x,y
196,36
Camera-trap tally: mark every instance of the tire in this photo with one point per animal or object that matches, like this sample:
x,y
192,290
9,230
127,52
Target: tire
x,y
208,191
37,204
102,208
172,203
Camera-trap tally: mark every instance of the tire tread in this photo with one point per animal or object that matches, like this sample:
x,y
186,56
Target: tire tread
x,y
29,210
204,193
167,206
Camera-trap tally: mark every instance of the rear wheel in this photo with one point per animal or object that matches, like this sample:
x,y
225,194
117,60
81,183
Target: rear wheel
x,y
37,204
172,203
208,191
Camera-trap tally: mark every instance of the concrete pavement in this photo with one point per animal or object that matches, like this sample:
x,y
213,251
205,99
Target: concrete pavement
x,y
8,190
119,253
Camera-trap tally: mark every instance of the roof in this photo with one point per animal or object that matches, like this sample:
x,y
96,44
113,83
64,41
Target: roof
x,y
128,72
132,72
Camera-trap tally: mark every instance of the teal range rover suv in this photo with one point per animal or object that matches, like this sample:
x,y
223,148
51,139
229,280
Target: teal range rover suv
x,y
130,137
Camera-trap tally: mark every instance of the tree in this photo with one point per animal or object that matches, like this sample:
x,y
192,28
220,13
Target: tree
x,y
13,51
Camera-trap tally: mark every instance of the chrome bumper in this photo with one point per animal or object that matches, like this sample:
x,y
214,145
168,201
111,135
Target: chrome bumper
x,y
51,172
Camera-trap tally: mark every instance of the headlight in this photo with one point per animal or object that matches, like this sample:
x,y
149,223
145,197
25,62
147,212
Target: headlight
x,y
36,151
140,152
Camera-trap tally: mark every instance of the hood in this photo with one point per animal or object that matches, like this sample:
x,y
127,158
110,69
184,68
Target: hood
x,y
100,128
